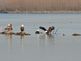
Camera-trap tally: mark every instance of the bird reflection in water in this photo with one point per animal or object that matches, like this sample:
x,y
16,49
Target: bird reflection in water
x,y
9,38
45,40
21,37
21,41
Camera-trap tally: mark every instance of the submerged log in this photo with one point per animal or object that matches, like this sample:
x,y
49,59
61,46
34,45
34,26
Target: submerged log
x,y
22,33
7,33
18,33
76,34
2,32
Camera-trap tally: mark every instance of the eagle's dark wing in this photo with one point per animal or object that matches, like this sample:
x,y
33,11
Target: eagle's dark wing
x,y
43,28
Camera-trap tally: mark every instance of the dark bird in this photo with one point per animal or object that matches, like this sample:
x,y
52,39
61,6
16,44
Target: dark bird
x,y
47,31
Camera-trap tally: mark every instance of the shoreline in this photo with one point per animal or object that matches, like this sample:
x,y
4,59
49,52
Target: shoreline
x,y
41,12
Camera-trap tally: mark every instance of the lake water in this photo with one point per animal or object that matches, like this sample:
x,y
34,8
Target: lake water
x,y
55,47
